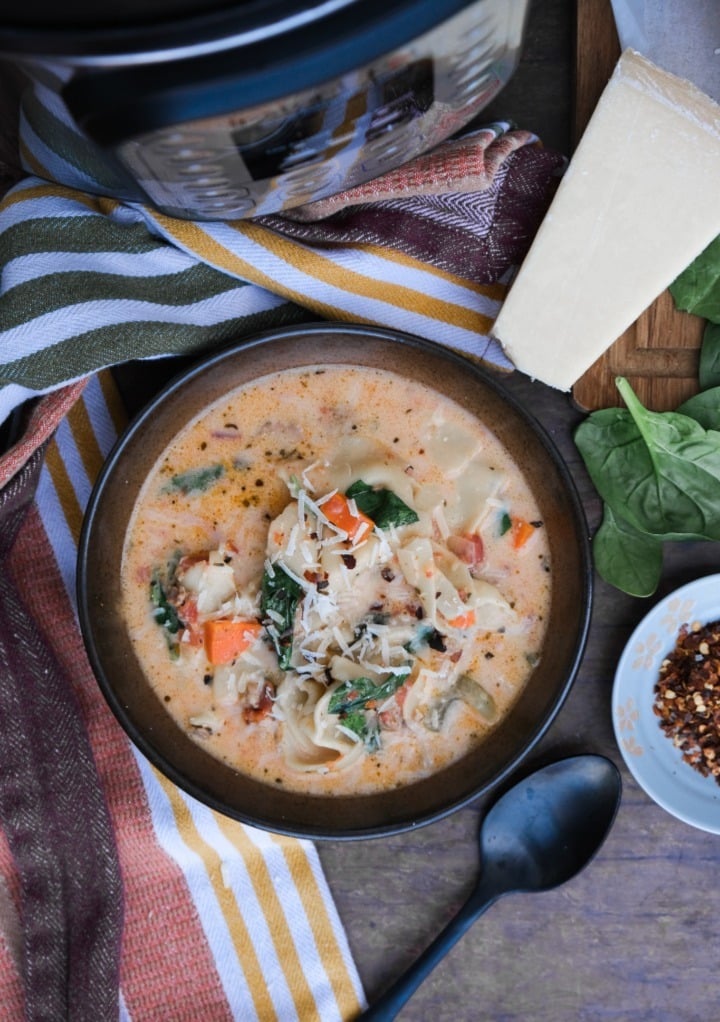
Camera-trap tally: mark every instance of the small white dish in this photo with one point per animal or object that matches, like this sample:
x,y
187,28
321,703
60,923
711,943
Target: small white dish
x,y
652,759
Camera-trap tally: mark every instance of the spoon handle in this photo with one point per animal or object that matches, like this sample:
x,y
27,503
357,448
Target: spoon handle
x,y
387,1006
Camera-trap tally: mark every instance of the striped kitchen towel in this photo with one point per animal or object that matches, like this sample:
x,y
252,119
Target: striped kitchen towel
x,y
89,281
120,896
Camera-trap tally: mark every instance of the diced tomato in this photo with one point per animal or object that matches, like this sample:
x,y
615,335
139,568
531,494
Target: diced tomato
x,y
254,713
189,561
402,693
188,614
469,548
391,719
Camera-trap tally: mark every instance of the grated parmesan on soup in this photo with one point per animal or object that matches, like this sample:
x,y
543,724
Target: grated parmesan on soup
x,y
337,580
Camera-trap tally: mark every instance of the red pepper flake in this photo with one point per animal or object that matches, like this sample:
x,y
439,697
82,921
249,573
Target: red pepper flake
x,y
687,696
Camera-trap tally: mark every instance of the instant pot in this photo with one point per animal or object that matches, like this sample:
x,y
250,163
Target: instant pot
x,y
212,110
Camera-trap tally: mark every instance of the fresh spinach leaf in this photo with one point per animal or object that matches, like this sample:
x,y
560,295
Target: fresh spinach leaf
x,y
709,367
279,598
626,558
697,289
660,471
383,506
195,480
704,408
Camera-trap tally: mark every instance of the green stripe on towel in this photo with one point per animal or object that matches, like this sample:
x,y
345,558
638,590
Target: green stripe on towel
x,y
83,353
85,233
47,294
71,147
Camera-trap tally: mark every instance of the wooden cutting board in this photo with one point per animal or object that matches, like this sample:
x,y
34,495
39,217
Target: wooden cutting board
x,y
659,352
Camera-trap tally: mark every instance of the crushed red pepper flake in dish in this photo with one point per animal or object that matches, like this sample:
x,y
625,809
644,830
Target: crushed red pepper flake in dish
x,y
687,696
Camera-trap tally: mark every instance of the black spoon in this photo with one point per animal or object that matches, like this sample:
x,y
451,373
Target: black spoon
x,y
539,834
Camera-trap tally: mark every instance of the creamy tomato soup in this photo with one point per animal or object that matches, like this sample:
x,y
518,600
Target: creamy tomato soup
x,y
337,580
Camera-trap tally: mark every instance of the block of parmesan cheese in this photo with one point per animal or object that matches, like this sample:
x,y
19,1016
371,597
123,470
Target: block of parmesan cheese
x,y
639,201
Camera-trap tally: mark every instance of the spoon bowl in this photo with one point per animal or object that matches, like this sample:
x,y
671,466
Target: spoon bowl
x,y
547,827
538,835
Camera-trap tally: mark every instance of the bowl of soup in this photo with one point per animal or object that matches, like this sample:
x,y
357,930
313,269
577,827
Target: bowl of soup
x,y
334,581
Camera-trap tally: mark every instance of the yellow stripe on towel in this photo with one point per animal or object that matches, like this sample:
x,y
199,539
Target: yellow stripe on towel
x,y
325,937
328,272
86,441
96,203
280,931
234,919
65,490
194,239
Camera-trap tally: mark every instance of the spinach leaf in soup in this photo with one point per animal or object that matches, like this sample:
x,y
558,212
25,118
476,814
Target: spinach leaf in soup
x,y
365,726
164,614
356,694
660,471
279,598
383,506
356,701
195,480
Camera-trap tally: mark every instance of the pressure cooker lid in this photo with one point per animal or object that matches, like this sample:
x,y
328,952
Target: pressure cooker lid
x,y
133,31
89,27
89,14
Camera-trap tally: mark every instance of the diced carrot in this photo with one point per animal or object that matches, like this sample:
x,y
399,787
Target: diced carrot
x,y
465,620
224,640
521,531
337,510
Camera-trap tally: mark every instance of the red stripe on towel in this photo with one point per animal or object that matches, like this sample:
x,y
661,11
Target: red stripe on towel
x,y
167,969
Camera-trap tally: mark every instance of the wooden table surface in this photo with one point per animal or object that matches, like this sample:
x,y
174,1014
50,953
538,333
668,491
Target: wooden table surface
x,y
635,936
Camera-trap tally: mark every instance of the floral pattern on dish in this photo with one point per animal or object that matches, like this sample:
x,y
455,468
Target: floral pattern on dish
x,y
627,717
650,756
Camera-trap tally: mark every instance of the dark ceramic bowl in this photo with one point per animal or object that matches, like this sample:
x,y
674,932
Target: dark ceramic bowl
x,y
142,714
